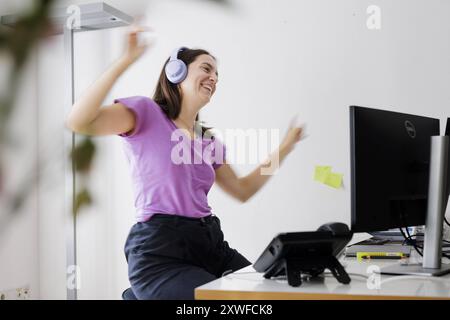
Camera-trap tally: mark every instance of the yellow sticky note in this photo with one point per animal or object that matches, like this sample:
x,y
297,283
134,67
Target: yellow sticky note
x,y
334,180
321,173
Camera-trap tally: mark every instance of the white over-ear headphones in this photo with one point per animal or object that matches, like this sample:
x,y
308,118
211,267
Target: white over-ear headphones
x,y
176,69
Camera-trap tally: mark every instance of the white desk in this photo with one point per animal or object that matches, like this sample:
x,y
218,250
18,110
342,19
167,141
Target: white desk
x,y
248,284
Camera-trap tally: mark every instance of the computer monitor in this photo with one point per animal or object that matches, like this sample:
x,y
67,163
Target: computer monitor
x,y
399,178
390,154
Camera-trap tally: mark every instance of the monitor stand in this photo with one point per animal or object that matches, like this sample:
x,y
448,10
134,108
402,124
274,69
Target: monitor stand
x,y
437,202
415,269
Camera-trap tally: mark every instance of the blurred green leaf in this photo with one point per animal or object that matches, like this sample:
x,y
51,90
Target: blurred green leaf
x,y
82,155
83,198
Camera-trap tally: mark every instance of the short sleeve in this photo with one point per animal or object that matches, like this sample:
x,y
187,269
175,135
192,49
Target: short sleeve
x,y
219,154
142,109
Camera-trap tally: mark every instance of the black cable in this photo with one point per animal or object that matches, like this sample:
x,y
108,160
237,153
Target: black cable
x,y
412,242
448,224
409,238
446,221
417,247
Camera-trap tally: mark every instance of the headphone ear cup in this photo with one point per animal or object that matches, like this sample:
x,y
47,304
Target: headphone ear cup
x,y
176,71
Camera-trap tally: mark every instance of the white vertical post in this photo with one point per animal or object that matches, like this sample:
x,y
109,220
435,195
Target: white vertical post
x,y
69,143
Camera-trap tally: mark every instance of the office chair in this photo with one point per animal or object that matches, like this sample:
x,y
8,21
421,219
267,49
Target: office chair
x,y
128,295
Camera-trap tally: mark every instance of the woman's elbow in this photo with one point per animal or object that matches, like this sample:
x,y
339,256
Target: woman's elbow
x,y
242,198
74,126
238,190
69,125
243,195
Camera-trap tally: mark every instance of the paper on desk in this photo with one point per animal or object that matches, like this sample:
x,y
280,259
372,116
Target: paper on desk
x,y
358,237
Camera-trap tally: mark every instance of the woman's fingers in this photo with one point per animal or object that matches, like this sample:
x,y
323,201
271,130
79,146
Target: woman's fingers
x,y
139,41
295,122
137,29
138,36
296,131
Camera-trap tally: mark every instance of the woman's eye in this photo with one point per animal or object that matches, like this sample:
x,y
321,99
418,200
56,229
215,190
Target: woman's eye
x,y
206,69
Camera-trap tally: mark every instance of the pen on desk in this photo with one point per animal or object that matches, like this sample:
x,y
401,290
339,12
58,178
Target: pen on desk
x,y
380,255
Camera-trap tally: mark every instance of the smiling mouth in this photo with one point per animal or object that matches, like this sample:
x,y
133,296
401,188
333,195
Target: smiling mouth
x,y
206,87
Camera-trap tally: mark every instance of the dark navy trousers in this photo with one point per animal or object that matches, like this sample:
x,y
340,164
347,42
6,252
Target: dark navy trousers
x,y
168,256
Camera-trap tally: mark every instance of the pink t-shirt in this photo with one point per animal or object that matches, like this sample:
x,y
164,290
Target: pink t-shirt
x,y
170,173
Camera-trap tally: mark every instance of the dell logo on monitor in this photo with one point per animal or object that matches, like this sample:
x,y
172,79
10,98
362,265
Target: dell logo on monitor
x,y
410,129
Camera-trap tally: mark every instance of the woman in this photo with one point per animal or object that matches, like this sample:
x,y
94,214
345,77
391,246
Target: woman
x,y
176,244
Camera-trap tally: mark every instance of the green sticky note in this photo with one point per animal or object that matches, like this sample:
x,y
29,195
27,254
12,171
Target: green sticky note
x,y
321,173
334,180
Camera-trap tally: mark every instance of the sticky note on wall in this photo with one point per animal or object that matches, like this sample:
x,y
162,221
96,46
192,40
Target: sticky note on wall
x,y
324,175
321,173
334,180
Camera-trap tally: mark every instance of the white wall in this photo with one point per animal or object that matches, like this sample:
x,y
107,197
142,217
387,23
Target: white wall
x,y
19,238
52,214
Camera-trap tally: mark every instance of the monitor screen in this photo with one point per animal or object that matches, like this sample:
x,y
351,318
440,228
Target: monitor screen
x,y
389,168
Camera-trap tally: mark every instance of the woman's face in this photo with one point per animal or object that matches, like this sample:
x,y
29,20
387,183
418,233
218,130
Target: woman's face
x,y
200,83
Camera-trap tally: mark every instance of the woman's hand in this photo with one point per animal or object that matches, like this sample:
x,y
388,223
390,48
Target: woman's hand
x,y
295,133
135,48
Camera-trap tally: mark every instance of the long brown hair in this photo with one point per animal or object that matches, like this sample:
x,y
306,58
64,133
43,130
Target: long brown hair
x,y
168,95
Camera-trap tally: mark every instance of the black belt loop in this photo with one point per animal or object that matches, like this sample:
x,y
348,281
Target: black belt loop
x,y
177,221
203,221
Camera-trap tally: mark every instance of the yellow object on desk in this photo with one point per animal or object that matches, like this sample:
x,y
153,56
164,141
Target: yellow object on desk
x,y
380,255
